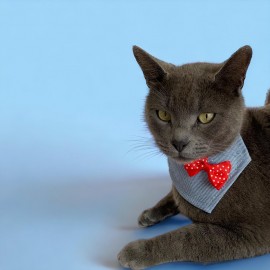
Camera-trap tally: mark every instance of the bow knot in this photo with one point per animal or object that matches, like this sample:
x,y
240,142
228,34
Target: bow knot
x,y
218,174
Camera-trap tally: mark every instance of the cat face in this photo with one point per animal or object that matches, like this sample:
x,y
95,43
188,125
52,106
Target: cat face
x,y
194,110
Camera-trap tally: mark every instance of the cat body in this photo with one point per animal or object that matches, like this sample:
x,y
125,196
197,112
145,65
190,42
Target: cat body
x,y
239,226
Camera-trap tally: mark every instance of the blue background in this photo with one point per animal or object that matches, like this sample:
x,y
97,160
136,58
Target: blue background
x,y
76,163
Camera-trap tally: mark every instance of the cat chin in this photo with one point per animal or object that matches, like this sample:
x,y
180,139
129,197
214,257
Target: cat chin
x,y
183,160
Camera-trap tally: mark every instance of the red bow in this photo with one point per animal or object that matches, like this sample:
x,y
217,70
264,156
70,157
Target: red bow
x,y
218,174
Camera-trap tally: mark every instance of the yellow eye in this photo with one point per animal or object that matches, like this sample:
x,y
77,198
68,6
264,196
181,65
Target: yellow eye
x,y
164,116
206,117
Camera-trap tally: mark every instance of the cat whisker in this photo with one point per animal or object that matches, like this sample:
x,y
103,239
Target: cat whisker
x,y
150,154
146,146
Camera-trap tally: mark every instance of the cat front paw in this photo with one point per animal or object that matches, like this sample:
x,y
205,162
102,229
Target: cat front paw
x,y
147,218
135,255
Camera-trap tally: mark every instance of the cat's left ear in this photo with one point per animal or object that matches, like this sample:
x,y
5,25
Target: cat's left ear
x,y
232,74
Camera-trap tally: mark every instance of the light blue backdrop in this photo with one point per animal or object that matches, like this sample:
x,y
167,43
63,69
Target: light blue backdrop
x,y
76,167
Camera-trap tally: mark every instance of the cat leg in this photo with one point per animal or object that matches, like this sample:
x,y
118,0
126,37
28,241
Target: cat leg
x,y
163,209
197,242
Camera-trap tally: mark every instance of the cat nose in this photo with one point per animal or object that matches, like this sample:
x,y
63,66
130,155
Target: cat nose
x,y
179,145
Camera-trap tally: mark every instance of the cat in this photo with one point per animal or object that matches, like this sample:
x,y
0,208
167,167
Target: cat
x,y
239,225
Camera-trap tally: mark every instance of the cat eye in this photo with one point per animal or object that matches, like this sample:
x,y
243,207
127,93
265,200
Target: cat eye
x,y
206,117
164,116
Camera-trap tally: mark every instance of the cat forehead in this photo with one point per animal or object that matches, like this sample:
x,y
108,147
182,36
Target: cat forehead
x,y
190,96
191,80
190,73
189,88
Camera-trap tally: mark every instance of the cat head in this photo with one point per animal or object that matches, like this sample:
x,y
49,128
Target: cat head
x,y
194,110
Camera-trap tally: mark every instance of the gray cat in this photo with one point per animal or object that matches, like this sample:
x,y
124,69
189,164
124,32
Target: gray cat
x,y
193,111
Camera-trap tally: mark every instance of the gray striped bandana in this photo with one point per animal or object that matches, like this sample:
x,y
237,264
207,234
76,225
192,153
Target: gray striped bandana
x,y
197,189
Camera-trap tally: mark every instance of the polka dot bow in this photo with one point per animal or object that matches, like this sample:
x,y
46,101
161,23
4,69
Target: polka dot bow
x,y
218,174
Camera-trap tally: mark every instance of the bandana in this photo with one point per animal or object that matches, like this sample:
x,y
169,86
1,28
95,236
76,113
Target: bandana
x,y
197,189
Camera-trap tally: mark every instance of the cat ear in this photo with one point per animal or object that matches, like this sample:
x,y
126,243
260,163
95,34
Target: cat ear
x,y
233,72
151,67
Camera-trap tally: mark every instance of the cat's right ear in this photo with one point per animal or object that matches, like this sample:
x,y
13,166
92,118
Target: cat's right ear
x,y
151,67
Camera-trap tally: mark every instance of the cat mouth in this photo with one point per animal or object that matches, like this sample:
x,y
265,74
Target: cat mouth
x,y
183,159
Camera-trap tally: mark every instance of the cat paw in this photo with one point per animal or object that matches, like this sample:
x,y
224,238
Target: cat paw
x,y
134,255
147,218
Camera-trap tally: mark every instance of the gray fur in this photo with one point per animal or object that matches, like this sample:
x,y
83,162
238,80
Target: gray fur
x,y
239,225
